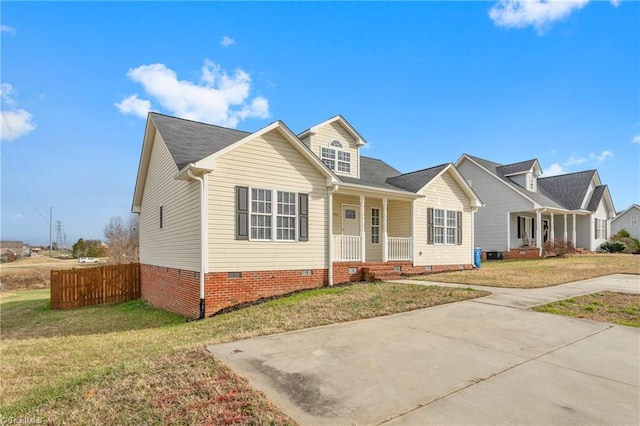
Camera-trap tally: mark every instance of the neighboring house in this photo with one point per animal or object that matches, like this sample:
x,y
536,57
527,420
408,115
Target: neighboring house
x,y
523,210
627,220
228,217
12,250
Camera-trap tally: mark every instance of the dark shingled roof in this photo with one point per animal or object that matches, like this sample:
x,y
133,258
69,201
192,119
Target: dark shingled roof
x,y
373,172
189,141
415,181
569,190
497,169
509,169
597,195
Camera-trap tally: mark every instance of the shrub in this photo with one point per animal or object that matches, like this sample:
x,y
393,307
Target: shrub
x,y
558,247
633,245
613,246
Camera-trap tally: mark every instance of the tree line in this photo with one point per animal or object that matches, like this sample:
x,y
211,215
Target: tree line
x,y
120,243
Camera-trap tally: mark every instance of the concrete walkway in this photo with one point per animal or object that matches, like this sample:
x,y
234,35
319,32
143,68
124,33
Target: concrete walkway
x,y
485,361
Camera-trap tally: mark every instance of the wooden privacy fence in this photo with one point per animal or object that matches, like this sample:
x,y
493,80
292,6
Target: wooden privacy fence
x,y
73,288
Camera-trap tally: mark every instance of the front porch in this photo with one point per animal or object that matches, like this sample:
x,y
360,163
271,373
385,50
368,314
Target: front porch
x,y
371,227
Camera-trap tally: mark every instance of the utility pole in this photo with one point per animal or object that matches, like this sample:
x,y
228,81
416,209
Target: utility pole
x,y
50,231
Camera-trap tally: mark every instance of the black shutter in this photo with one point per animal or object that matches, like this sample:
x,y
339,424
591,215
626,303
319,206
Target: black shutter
x,y
459,231
161,218
303,217
430,225
595,231
533,229
519,231
242,213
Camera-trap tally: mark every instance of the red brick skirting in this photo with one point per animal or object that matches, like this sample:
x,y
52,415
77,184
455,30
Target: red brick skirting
x,y
178,290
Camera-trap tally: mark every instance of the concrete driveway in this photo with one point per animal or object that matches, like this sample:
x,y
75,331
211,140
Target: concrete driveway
x,y
486,361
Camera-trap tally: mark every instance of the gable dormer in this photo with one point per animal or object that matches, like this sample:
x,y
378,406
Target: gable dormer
x,y
337,144
524,174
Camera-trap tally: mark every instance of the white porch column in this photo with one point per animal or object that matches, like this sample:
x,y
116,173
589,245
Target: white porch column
x,y
385,247
552,233
565,228
539,231
363,241
508,231
573,233
330,191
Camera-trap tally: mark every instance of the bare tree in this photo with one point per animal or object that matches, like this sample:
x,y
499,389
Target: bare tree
x,y
122,240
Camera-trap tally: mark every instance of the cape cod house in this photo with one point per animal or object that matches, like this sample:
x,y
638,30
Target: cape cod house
x,y
523,210
228,216
629,220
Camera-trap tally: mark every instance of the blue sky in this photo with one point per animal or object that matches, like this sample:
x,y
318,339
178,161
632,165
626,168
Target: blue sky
x,y
423,82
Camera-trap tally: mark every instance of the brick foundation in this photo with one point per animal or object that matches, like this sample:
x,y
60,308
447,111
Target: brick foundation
x,y
222,291
178,290
522,253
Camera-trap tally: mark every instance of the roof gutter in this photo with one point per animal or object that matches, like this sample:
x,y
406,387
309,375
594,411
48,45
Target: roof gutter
x,y
203,237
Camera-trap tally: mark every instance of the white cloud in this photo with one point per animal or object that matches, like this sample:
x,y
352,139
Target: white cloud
x,y
559,168
599,158
16,122
18,216
7,29
537,13
134,105
636,139
615,3
573,161
219,98
227,41
553,170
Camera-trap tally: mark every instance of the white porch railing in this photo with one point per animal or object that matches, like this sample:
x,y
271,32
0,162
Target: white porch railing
x,y
347,247
399,248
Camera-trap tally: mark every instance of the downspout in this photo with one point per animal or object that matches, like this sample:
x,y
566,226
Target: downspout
x,y
330,192
203,238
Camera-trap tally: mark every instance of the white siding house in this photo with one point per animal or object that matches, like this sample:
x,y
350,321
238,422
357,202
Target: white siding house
x,y
629,220
524,210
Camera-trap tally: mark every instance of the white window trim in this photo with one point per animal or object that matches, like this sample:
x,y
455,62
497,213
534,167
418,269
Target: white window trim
x,y
336,151
601,229
444,227
634,220
274,215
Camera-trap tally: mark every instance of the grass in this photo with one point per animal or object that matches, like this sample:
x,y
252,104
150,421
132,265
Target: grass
x,y
606,306
541,272
129,363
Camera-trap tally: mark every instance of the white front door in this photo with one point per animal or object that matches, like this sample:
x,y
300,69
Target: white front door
x,y
350,220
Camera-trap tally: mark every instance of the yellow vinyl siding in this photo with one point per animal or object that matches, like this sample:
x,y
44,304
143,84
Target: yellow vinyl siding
x,y
399,221
443,193
268,162
335,131
177,243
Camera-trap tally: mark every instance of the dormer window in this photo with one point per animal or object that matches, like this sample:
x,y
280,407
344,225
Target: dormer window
x,y
335,157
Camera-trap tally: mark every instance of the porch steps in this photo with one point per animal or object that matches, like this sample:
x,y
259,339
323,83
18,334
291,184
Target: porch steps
x,y
382,272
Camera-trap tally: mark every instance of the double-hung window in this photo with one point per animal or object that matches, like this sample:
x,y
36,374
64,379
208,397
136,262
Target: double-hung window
x,y
271,215
451,227
261,214
439,226
286,216
335,157
444,226
375,225
601,229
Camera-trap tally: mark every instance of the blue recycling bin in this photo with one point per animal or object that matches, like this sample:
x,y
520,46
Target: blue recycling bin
x,y
477,257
